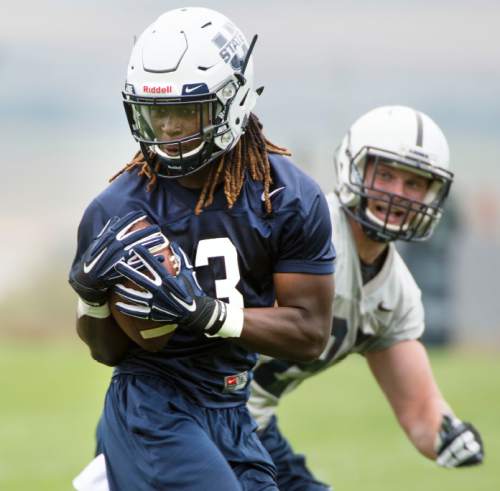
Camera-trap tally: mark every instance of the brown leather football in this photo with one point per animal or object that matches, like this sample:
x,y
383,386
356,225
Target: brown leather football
x,y
150,335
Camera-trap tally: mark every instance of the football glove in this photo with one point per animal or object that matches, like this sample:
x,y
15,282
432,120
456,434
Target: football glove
x,y
171,299
458,444
92,276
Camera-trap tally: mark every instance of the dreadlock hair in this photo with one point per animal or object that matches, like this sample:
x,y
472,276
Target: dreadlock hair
x,y
250,153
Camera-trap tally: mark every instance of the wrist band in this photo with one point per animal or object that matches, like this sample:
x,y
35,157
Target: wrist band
x,y
97,312
233,325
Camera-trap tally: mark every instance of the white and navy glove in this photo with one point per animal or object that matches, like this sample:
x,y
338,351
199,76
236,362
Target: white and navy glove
x,y
458,444
92,276
173,299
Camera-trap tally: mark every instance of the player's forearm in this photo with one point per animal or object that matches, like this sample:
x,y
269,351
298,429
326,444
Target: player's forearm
x,y
299,328
286,332
441,436
422,424
107,342
404,374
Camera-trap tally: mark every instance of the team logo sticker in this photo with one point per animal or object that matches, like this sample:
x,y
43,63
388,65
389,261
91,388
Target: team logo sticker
x,y
232,46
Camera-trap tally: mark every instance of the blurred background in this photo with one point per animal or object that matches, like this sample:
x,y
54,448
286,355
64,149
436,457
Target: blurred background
x,y
323,63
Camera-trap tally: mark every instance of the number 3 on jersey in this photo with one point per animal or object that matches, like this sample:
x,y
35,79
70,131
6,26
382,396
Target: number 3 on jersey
x,y
222,247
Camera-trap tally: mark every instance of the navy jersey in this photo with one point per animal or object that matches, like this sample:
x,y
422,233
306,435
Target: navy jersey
x,y
235,252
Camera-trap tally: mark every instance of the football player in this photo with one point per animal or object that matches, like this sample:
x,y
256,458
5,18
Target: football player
x,y
392,180
250,223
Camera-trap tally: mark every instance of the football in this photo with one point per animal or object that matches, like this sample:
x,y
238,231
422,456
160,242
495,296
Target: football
x,y
150,335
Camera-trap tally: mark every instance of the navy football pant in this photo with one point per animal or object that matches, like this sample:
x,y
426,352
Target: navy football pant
x,y
154,438
293,474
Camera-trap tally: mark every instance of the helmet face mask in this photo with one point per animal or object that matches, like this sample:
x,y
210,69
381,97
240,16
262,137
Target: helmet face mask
x,y
381,148
387,215
188,145
190,70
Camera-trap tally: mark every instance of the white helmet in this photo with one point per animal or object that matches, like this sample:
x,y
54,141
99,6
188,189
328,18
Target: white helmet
x,y
403,138
197,60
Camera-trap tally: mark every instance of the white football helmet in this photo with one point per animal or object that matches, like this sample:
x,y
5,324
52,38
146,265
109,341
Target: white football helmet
x,y
405,139
195,62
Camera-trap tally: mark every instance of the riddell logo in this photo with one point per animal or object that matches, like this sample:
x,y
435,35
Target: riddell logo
x,y
157,90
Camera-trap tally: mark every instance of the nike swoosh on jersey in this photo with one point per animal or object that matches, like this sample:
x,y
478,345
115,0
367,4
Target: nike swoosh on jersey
x,y
188,90
272,193
88,267
383,308
187,306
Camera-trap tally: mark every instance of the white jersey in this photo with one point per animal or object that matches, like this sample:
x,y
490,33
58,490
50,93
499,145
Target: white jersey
x,y
386,310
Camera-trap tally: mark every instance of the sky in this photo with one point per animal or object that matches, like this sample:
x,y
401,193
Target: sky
x,y
323,64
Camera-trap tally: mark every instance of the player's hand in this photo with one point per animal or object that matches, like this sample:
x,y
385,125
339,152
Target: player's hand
x,y
166,298
95,272
458,444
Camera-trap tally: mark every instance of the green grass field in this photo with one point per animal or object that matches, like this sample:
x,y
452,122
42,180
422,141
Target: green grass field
x,y
52,395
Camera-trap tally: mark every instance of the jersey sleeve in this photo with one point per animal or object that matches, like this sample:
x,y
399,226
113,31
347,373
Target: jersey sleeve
x,y
305,243
409,326
92,222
